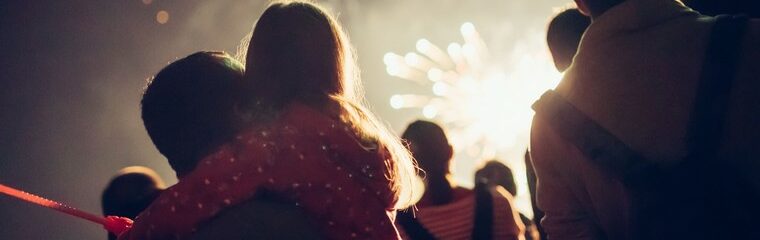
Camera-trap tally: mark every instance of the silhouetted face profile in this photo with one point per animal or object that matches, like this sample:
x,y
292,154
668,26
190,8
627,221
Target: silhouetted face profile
x,y
189,107
430,147
564,34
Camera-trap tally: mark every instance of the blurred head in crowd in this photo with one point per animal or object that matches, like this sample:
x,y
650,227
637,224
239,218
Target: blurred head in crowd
x,y
495,173
130,192
564,35
430,147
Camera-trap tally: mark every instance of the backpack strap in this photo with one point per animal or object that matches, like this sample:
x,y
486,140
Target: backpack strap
x,y
599,145
412,227
606,150
482,224
718,72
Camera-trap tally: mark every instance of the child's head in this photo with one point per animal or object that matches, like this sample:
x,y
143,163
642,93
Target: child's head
x,y
130,192
189,107
299,53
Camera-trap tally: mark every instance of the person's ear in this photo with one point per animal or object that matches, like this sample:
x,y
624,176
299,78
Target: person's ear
x,y
582,7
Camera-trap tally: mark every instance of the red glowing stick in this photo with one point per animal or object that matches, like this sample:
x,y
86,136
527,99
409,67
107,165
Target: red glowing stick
x,y
51,204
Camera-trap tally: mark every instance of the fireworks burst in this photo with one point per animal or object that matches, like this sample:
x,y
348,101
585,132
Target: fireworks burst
x,y
484,105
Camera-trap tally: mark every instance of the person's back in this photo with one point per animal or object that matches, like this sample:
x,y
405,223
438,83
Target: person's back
x,y
447,211
636,75
495,175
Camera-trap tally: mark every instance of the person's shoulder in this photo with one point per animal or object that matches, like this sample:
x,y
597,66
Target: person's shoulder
x,y
306,117
462,192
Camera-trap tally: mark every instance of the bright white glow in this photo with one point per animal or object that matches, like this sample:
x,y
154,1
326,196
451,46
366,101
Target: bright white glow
x,y
440,89
424,46
389,58
429,111
412,59
455,50
468,30
397,101
483,103
393,70
435,74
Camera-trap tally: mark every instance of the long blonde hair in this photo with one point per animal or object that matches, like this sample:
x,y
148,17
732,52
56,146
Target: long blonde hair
x,y
298,52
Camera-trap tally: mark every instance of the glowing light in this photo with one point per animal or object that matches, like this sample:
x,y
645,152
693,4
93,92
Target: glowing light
x,y
455,50
435,74
162,17
412,59
429,111
397,101
390,58
147,2
484,104
393,70
423,45
440,89
468,29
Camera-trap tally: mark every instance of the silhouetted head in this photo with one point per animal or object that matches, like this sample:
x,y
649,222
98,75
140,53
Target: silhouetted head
x,y
298,52
189,107
130,192
564,34
595,8
430,147
495,173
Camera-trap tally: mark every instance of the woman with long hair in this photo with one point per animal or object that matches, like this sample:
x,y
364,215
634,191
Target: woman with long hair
x,y
308,140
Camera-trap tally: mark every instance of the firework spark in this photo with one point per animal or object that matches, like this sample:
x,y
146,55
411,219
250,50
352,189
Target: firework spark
x,y
485,108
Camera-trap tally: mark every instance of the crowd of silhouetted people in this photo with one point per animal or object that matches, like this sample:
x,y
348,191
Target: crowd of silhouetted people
x,y
651,134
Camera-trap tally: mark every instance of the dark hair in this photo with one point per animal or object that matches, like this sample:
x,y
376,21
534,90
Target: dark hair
x,y
564,34
495,173
299,53
429,146
296,53
598,7
130,192
189,107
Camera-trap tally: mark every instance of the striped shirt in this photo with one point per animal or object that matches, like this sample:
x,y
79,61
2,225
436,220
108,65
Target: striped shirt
x,y
455,220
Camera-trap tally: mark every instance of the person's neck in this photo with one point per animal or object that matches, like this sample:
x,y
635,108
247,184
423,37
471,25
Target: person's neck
x,y
439,190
